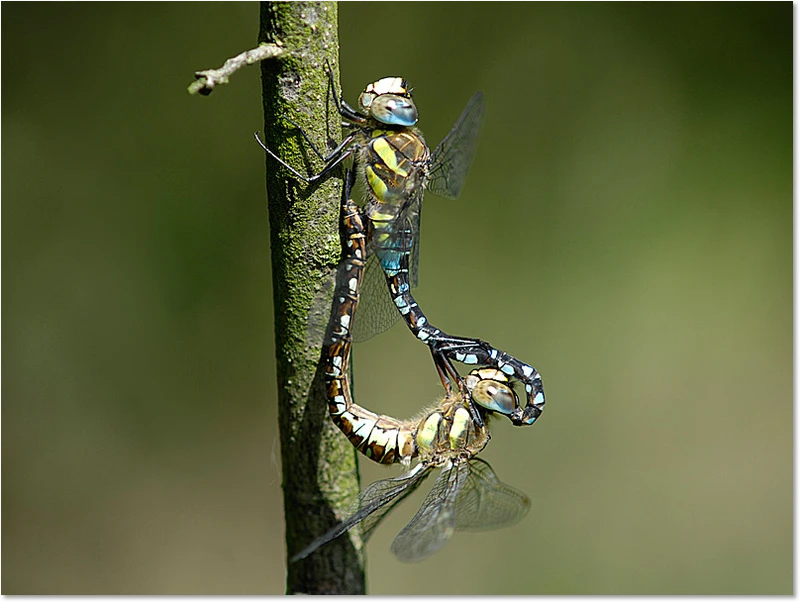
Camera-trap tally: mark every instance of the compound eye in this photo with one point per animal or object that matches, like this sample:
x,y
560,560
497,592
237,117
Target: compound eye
x,y
493,395
393,110
365,100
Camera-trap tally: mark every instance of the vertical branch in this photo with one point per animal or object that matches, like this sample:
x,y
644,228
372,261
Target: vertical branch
x,y
319,465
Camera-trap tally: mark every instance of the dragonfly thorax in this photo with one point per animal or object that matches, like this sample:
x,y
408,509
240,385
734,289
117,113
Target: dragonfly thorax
x,y
449,433
389,101
395,168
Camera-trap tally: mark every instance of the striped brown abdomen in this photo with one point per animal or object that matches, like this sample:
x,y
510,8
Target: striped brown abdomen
x,y
380,438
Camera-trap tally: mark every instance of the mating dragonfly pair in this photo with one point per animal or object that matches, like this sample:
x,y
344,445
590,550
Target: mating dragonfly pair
x,y
381,243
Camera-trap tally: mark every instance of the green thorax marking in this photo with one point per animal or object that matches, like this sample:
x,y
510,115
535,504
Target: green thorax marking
x,y
395,162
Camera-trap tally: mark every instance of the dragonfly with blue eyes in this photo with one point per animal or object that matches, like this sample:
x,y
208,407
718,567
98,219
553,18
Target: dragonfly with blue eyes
x,y
397,168
467,495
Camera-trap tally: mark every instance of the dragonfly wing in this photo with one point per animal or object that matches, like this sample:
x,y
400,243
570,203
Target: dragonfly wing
x,y
376,310
485,502
413,215
435,521
450,160
372,506
393,491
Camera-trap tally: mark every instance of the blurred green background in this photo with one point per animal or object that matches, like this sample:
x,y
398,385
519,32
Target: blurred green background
x,y
626,228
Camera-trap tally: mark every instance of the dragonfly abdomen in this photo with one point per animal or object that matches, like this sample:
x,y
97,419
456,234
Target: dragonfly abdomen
x,y
468,351
381,438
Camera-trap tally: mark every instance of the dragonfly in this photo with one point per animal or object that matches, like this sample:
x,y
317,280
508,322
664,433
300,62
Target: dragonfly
x,y
397,168
467,495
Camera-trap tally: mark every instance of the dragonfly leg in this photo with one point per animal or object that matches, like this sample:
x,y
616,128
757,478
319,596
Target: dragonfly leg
x,y
336,157
332,154
448,374
344,109
480,353
307,139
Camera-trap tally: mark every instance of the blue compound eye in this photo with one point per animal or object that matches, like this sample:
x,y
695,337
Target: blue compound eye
x,y
394,110
492,394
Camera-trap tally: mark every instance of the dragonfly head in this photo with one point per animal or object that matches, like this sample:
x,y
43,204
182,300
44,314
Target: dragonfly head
x,y
389,101
491,389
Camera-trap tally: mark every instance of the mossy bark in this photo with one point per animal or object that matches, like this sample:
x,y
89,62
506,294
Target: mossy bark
x,y
320,472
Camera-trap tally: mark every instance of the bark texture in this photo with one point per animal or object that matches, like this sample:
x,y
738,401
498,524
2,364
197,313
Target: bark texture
x,y
320,472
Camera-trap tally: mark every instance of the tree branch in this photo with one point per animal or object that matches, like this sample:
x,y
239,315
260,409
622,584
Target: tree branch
x,y
320,473
206,80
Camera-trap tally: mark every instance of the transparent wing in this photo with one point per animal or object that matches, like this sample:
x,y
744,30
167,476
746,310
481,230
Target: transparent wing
x,y
372,506
387,493
452,158
485,502
435,521
412,216
376,310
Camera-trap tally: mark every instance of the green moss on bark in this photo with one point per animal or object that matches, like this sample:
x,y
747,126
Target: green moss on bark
x,y
320,477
